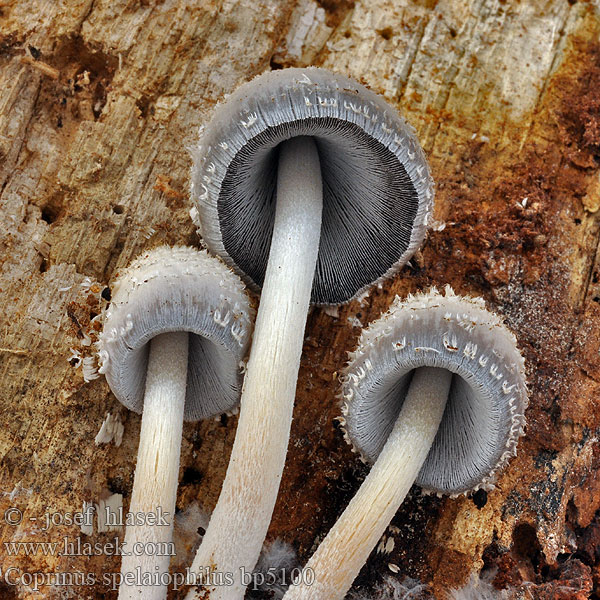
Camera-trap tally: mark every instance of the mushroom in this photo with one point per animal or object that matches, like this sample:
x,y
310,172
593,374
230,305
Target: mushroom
x,y
167,301
312,187
435,393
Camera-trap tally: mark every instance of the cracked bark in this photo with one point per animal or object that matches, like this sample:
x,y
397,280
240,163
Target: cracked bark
x,y
93,170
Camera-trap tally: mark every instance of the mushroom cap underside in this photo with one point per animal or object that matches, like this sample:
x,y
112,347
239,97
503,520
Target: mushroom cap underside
x,y
377,190
484,414
178,289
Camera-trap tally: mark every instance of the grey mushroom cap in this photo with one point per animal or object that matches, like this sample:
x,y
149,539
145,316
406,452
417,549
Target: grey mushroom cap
x,y
377,190
484,414
178,289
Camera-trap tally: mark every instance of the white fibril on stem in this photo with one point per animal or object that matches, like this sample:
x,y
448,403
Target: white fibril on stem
x,y
359,212
435,394
175,332
157,468
241,518
344,551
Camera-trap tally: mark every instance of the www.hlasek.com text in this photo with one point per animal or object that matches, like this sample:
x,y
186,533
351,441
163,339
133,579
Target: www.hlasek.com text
x,y
80,547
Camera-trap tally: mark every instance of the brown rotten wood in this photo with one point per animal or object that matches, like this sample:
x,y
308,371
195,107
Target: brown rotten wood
x,y
98,101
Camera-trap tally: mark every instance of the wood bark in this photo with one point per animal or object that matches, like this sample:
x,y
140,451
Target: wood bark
x,y
99,101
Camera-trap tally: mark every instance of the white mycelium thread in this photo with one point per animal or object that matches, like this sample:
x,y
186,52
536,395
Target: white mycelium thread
x,y
166,301
367,171
377,191
415,368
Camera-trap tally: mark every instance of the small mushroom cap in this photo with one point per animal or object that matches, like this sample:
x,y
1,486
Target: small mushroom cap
x,y
484,414
377,190
178,289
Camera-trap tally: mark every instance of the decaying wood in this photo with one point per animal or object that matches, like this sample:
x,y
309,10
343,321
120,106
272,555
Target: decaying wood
x,y
99,100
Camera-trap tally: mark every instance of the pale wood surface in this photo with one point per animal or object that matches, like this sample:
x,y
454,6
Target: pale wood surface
x,y
99,100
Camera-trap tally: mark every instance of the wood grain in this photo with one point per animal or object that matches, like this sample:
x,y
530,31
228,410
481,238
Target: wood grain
x,y
99,101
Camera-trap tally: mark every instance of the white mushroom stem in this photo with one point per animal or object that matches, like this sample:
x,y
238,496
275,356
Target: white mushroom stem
x,y
157,469
340,556
239,523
